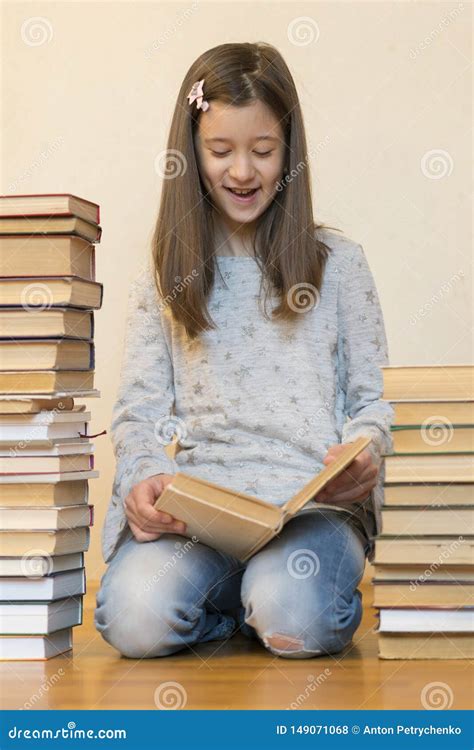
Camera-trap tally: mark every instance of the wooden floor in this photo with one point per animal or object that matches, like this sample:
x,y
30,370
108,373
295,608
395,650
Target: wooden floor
x,y
237,674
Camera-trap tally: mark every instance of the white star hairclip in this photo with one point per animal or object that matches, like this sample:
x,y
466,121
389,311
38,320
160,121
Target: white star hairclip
x,y
196,94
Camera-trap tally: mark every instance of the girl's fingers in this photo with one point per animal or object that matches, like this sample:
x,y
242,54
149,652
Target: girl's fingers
x,y
368,474
351,496
350,483
177,527
351,474
142,508
145,509
141,500
356,468
142,536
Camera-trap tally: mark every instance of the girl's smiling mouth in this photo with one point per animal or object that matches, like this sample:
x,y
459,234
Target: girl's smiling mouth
x,y
243,199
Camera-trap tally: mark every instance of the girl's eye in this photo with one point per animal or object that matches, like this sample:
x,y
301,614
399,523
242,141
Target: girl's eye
x,y
224,153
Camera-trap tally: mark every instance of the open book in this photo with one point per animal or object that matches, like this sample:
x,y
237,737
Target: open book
x,y
236,523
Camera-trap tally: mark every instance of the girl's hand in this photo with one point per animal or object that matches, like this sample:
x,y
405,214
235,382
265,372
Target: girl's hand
x,y
354,483
147,523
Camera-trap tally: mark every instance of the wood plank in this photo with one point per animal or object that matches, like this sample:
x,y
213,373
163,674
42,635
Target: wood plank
x,y
237,674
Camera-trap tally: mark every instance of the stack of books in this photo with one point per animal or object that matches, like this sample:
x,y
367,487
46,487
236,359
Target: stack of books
x,y
48,294
424,563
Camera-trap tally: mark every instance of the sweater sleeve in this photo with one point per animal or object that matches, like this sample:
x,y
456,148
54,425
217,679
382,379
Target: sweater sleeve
x,y
142,421
362,350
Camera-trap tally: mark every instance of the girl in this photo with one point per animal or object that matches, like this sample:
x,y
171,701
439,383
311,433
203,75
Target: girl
x,y
259,402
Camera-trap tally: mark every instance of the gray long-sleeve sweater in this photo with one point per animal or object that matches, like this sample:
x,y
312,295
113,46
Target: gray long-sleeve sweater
x,y
255,403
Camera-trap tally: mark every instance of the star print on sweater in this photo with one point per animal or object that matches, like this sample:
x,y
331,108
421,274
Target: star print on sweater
x,y
256,402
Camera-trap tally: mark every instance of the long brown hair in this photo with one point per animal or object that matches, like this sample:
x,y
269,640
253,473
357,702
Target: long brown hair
x,y
286,246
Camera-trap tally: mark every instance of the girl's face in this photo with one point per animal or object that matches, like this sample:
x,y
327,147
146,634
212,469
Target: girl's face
x,y
240,148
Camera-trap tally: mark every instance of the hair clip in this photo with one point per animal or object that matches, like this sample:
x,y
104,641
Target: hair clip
x,y
197,93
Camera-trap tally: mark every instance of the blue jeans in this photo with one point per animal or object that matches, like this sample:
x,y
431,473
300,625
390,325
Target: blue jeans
x,y
297,596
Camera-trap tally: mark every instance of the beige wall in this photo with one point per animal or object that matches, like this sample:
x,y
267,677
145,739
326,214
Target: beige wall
x,y
385,93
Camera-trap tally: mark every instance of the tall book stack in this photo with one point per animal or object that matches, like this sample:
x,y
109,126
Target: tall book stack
x,y
48,294
424,563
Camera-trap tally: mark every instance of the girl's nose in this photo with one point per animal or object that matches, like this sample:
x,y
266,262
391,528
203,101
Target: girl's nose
x,y
242,170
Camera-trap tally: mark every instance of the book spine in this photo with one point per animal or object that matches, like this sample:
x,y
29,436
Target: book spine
x,y
92,266
284,518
